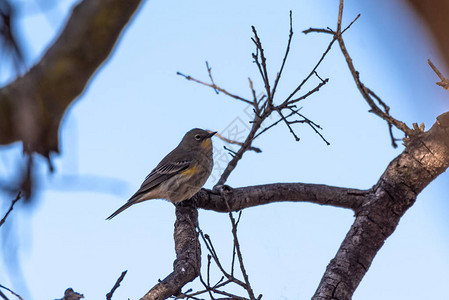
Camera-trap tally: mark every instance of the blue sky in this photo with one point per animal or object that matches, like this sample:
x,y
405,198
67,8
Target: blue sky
x,y
136,109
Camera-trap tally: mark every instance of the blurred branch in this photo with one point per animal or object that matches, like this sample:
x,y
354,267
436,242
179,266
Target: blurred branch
x,y
9,290
13,202
8,39
434,13
31,107
444,82
116,285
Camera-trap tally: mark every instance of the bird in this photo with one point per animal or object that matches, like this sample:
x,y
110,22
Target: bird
x,y
180,174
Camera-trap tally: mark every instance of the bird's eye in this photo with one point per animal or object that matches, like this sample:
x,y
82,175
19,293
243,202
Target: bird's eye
x,y
197,137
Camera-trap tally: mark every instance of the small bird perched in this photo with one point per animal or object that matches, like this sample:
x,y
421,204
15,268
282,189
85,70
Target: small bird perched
x,y
181,173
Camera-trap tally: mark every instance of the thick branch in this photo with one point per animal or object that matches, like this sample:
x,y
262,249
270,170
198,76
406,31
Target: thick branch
x,y
407,175
31,107
245,197
188,255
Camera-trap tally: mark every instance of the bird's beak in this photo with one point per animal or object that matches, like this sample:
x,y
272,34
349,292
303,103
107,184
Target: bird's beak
x,y
211,134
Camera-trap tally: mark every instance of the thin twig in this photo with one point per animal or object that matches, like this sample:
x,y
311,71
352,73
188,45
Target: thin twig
x,y
363,90
209,70
288,125
11,291
255,149
290,36
116,285
215,87
444,81
3,296
19,195
240,256
255,102
263,64
210,247
321,30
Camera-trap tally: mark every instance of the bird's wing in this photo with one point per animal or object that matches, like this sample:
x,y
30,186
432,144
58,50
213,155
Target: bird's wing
x,y
161,173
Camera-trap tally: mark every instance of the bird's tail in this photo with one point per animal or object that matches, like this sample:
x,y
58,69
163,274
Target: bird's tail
x,y
122,208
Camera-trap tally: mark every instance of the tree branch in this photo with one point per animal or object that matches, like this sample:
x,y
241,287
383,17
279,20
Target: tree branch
x,y
444,82
384,114
188,254
31,107
244,197
116,285
11,207
425,158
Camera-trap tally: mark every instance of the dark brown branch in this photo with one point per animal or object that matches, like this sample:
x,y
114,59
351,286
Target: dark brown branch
x,y
188,255
11,291
31,107
422,161
11,207
244,197
116,285
288,125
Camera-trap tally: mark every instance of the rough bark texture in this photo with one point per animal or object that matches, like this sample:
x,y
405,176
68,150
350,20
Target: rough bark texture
x,y
188,255
245,197
378,210
31,107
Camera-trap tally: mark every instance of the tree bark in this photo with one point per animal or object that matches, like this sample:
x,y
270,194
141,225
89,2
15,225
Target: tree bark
x,y
378,210
188,255
32,107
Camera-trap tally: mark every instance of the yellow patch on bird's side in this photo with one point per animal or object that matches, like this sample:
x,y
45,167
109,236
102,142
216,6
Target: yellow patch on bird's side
x,y
190,171
206,144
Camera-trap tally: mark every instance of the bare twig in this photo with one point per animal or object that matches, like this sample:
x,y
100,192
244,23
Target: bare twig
x,y
444,82
287,50
384,114
9,290
251,148
240,256
116,285
262,65
3,296
209,70
215,87
19,195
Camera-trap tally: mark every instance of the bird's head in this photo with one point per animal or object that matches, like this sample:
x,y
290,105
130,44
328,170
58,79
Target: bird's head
x,y
198,138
